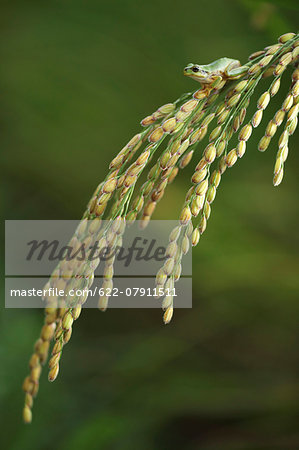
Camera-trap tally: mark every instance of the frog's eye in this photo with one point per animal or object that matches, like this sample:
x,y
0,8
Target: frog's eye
x,y
195,69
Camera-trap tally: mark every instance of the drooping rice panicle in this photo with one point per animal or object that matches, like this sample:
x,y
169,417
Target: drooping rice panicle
x,y
113,242
290,106
178,128
206,191
38,358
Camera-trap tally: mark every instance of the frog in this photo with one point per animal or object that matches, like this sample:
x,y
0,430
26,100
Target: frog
x,y
221,69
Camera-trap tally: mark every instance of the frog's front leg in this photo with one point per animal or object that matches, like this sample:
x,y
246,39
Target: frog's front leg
x,y
215,81
212,82
235,70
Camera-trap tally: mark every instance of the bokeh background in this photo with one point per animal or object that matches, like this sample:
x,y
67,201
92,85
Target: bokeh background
x,y
76,79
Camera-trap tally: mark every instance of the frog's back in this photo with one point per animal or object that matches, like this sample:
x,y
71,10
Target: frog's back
x,y
219,65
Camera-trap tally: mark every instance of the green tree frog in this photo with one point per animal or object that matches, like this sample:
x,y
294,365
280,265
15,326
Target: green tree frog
x,y
222,69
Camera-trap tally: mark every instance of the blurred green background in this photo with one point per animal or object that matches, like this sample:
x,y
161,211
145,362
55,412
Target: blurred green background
x,y
76,79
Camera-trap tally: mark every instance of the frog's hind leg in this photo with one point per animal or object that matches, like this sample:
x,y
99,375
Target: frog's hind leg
x,y
235,70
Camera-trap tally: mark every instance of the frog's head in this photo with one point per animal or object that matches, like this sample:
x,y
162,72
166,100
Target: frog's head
x,y
196,72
